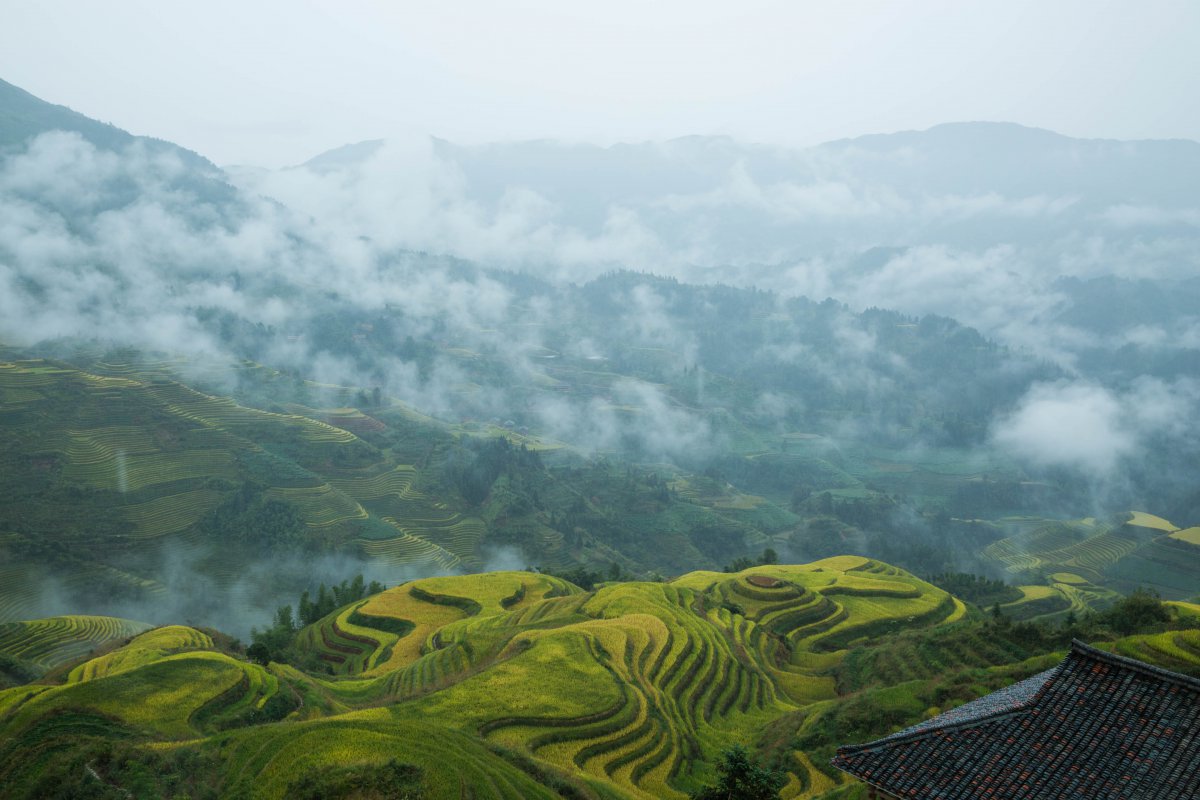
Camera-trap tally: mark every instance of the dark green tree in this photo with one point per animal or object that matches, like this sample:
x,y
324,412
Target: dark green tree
x,y
1141,611
259,653
739,777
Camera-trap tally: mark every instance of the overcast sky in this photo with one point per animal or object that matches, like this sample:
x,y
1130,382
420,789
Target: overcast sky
x,y
274,83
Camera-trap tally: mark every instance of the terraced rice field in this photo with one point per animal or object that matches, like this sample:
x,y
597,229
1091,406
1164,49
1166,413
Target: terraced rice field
x,y
18,594
1174,650
925,654
1141,519
498,684
407,549
166,695
225,413
1189,535
46,643
395,482
321,506
143,649
1037,601
807,781
455,765
363,638
428,531
437,525
1089,554
667,663
170,513
634,686
157,458
119,471
1166,563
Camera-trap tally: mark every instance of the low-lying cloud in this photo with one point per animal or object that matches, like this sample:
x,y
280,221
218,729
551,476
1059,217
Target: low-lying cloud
x,y
1091,429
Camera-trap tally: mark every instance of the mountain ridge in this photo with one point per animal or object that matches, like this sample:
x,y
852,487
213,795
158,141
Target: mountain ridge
x,y
24,115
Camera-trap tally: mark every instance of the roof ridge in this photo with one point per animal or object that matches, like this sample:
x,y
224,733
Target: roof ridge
x,y
888,741
1078,648
1082,648
1123,724
922,728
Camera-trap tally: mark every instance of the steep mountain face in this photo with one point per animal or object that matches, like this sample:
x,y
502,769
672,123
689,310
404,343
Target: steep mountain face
x,y
23,117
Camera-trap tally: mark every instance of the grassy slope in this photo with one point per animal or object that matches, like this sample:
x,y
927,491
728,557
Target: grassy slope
x,y
111,467
47,643
1077,565
520,685
627,691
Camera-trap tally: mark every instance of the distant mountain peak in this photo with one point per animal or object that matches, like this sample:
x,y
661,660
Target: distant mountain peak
x,y
343,156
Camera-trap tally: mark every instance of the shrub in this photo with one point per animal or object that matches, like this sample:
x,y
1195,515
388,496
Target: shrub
x,y
740,777
1139,612
390,781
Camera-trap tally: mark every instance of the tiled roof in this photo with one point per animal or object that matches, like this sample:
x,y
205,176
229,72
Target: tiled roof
x,y
1099,726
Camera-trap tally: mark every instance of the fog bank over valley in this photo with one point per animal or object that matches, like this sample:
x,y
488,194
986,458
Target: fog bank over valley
x,y
809,326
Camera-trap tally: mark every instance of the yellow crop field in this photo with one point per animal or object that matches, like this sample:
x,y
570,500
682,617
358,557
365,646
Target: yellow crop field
x,y
125,472
498,591
572,682
1179,649
839,563
1189,535
491,593
699,580
395,482
427,618
960,611
1143,520
19,695
818,782
1036,592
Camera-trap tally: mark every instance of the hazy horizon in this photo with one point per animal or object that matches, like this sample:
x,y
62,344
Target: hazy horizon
x,y
275,84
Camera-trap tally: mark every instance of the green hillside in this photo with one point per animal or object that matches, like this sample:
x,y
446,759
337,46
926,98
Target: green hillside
x,y
112,471
117,472
518,684
33,647
1071,566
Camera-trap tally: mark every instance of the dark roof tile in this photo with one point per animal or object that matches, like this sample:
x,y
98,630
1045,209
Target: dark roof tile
x,y
1097,726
